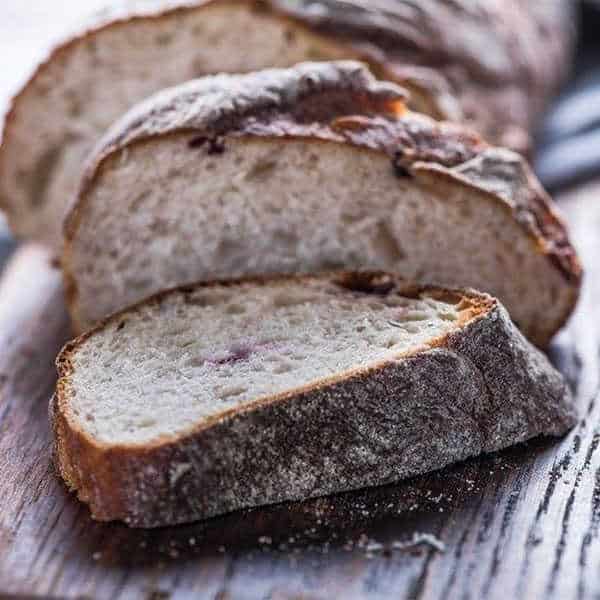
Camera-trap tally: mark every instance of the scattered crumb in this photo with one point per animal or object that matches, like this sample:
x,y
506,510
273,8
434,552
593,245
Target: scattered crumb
x,y
97,555
265,539
418,539
374,547
221,549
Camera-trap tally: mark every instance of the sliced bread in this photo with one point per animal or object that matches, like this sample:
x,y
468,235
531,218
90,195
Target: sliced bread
x,y
434,48
216,397
303,169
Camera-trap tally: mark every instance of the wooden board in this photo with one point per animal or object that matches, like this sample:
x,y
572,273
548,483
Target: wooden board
x,y
523,524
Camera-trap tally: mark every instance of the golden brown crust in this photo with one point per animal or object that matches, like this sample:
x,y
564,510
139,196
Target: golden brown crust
x,y
516,398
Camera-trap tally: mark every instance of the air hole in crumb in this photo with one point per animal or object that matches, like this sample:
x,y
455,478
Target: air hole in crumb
x,y
376,306
199,300
121,325
89,417
413,315
466,211
261,169
295,320
284,300
351,219
235,309
367,282
282,368
231,391
162,39
195,361
419,222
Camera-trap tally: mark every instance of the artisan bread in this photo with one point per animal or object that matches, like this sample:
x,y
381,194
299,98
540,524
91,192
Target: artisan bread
x,y
305,169
216,397
492,64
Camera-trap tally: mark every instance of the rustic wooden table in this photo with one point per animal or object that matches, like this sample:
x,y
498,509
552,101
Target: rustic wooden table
x,y
522,524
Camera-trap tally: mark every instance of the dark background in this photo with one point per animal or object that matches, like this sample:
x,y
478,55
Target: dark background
x,y
568,144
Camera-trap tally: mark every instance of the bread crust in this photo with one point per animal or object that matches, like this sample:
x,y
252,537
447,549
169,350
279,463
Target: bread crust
x,y
478,389
342,103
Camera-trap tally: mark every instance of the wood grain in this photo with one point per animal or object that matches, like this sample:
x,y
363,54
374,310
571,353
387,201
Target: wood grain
x,y
524,523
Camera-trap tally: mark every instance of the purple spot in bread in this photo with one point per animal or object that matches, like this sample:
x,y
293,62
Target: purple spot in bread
x,y
238,352
235,354
213,145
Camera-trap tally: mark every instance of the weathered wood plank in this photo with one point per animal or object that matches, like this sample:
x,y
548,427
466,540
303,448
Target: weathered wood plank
x,y
523,523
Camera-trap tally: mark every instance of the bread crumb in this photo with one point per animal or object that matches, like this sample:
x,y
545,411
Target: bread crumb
x,y
374,547
419,539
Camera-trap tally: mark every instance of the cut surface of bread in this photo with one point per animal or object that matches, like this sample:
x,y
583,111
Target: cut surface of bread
x,y
92,79
215,397
226,347
306,169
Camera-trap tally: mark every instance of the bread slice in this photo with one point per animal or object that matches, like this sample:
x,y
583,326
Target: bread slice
x,y
305,169
433,48
216,397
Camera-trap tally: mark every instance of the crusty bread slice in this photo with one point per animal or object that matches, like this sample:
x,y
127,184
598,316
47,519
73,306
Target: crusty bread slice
x,y
215,397
433,48
305,169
